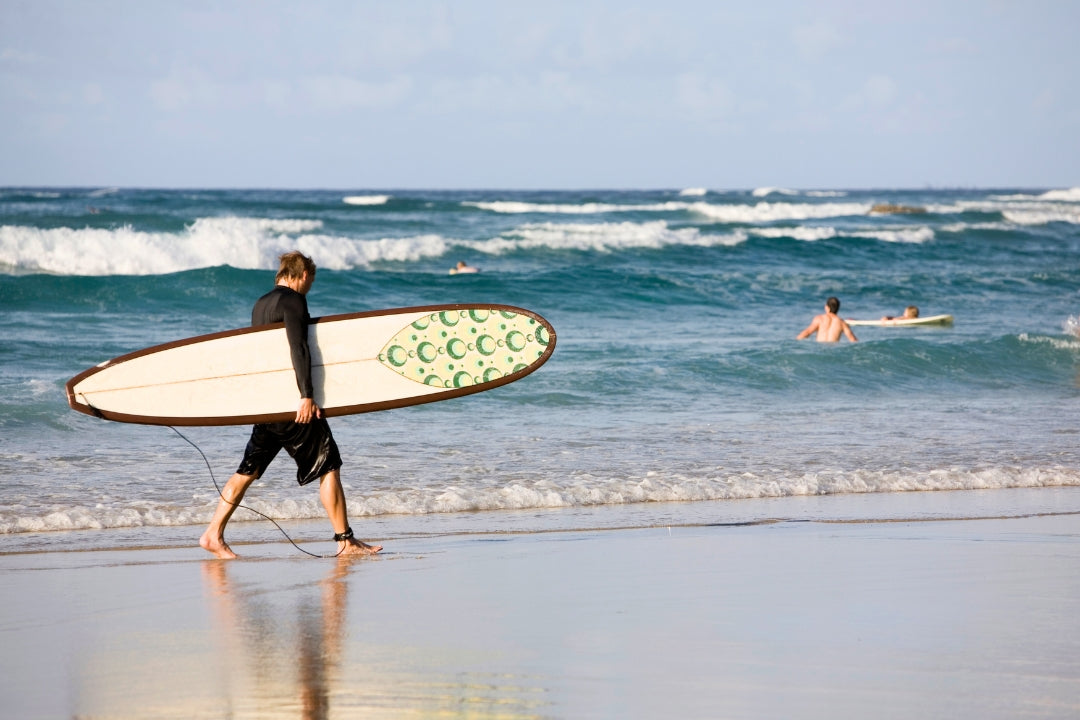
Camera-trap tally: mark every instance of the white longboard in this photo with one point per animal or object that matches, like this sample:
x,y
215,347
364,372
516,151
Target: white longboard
x,y
906,322
361,362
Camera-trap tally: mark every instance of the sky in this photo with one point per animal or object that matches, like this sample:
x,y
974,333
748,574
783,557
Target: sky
x,y
547,94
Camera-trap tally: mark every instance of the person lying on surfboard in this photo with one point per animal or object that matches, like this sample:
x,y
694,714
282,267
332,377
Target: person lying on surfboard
x,y
307,438
829,326
463,268
910,313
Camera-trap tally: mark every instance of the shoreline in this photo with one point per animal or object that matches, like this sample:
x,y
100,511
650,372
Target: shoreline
x,y
805,619
872,507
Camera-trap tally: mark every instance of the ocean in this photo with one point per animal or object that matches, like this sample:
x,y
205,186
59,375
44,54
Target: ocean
x,y
677,391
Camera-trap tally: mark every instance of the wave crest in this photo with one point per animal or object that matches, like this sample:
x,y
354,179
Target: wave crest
x,y
602,237
366,199
761,212
247,243
1070,195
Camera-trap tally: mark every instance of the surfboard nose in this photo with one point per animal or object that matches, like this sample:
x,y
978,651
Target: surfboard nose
x,y
463,347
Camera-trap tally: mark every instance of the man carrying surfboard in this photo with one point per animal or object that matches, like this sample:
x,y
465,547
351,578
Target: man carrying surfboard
x,y
307,438
829,326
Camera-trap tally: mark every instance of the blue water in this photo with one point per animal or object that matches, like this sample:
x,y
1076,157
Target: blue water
x,y
676,377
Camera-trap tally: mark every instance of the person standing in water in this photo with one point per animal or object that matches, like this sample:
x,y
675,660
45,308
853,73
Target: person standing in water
x,y
307,437
829,326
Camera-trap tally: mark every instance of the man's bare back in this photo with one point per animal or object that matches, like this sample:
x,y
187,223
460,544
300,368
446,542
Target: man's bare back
x,y
828,325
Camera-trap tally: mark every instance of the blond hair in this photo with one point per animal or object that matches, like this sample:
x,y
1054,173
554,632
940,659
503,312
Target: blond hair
x,y
293,266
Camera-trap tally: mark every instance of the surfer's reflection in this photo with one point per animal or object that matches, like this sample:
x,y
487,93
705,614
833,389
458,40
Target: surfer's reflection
x,y
261,642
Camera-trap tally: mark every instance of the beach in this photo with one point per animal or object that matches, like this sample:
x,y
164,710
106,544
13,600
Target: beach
x,y
685,513
564,266
753,615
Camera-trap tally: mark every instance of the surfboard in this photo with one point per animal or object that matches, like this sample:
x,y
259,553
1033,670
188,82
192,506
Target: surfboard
x,y
906,322
361,362
1072,326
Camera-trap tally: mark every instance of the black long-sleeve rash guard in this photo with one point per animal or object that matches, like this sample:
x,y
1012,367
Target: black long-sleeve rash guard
x,y
285,304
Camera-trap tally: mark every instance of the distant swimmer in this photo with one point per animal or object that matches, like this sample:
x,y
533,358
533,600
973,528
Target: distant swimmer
x,y
828,325
463,267
910,313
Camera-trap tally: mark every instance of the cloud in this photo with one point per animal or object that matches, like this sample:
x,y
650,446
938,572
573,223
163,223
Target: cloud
x,y
703,94
187,88
879,91
547,91
1046,102
338,92
93,94
183,87
614,40
10,56
956,46
816,40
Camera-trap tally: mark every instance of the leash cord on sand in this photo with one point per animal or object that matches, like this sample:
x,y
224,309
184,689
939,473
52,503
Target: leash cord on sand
x,y
245,507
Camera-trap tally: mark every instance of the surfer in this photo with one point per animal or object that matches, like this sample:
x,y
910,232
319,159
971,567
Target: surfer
x,y
910,313
307,438
463,267
829,326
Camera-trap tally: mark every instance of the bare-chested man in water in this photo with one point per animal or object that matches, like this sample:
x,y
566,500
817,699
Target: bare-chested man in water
x,y
828,325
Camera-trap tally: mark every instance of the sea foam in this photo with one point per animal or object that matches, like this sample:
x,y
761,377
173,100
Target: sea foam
x,y
764,212
602,237
1040,216
766,191
1070,195
814,233
1018,209
582,490
1065,195
592,208
728,213
249,243
366,199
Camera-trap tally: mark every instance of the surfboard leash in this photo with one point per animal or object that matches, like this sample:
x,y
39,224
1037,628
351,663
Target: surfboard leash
x,y
190,442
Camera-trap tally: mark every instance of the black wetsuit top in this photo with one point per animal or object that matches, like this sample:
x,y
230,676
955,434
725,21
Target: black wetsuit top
x,y
311,444
285,304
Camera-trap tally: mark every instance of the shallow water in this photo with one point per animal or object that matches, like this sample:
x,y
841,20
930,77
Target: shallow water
x,y
676,376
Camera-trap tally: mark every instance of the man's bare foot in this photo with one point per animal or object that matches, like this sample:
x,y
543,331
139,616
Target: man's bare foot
x,y
356,547
216,546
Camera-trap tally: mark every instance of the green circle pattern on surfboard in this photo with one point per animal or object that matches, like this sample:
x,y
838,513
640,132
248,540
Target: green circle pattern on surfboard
x,y
458,348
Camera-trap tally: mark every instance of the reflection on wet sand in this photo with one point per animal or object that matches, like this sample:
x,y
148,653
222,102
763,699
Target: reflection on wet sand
x,y
262,645
285,638
281,647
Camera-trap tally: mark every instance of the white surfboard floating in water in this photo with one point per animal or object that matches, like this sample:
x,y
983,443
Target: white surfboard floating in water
x,y
906,322
361,362
1072,326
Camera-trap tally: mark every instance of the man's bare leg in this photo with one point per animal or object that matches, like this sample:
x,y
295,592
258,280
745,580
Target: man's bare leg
x,y
213,539
333,499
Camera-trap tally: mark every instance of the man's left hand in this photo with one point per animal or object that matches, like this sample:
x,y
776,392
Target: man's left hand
x,y
307,411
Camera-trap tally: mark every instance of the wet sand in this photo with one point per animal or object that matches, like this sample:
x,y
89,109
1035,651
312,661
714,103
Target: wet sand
x,y
931,619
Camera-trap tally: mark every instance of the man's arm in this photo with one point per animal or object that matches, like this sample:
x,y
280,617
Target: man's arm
x,y
296,330
848,333
810,329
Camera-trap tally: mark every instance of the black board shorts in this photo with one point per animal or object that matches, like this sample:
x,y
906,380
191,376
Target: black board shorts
x,y
311,445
